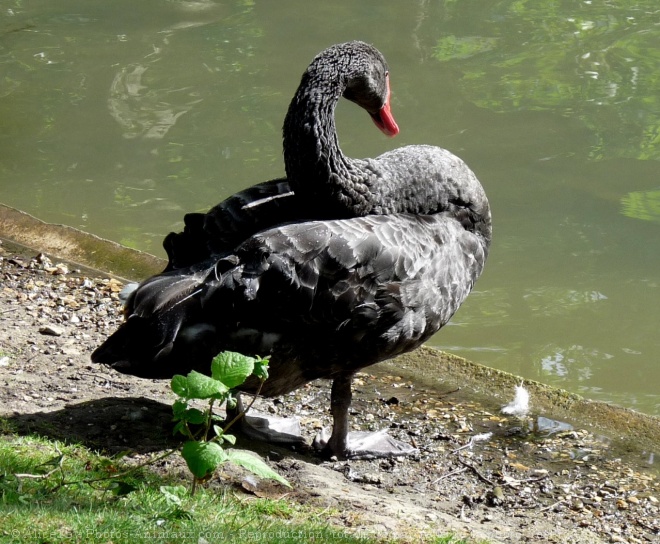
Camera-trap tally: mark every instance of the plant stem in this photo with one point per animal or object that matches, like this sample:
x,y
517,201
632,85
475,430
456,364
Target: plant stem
x,y
209,419
243,412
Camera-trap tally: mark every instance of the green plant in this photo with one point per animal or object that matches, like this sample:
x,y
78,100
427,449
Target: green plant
x,y
203,451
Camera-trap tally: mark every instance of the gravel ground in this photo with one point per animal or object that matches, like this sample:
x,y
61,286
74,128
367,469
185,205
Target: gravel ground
x,y
478,472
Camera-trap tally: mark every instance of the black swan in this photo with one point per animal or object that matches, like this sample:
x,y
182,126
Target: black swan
x,y
368,260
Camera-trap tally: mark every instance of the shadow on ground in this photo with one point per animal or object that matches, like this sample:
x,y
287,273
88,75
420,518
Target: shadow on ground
x,y
108,424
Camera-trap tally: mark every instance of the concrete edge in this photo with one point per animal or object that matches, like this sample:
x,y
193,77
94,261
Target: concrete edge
x,y
76,246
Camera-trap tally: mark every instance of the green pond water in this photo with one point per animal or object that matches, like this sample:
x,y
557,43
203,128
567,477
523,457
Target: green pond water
x,y
118,117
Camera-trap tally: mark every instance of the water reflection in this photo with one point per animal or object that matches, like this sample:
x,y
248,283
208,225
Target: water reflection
x,y
576,361
141,111
591,59
546,426
644,205
139,103
549,301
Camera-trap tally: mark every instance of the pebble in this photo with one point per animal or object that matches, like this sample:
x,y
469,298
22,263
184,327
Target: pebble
x,y
57,270
51,330
577,504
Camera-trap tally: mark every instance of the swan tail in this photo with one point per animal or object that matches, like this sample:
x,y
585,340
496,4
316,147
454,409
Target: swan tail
x,y
187,247
166,332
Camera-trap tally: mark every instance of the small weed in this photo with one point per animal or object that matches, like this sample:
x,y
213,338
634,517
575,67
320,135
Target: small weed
x,y
203,451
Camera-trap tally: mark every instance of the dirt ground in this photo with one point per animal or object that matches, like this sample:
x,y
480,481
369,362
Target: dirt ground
x,y
532,480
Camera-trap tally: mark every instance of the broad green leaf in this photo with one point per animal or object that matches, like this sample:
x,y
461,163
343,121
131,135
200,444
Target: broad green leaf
x,y
203,387
194,416
179,385
202,458
179,408
231,368
180,427
218,432
254,465
121,488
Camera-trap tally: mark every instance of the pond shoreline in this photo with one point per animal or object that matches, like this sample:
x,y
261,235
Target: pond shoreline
x,y
584,483
97,256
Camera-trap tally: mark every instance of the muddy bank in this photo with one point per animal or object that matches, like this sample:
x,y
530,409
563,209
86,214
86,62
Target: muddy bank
x,y
549,477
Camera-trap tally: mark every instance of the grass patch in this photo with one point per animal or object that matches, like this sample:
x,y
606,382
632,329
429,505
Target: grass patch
x,y
144,508
40,502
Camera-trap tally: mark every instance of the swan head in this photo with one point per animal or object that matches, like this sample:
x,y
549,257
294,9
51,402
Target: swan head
x,y
362,93
355,70
368,85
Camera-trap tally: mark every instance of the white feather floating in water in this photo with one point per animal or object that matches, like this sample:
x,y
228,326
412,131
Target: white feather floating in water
x,y
519,406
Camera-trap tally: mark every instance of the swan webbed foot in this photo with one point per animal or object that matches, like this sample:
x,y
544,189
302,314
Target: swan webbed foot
x,y
272,429
355,444
267,428
363,445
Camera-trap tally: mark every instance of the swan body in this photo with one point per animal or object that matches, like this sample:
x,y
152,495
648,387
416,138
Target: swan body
x,y
345,263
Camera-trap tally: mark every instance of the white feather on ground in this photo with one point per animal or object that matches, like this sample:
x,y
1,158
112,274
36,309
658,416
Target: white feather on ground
x,y
519,406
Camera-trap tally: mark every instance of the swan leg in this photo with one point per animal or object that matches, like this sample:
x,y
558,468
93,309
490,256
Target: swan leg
x,y
264,427
341,396
357,444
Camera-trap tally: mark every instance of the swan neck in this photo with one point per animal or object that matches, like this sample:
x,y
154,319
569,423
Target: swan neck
x,y
315,165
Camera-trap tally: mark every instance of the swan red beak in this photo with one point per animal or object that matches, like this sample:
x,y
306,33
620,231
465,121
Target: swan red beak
x,y
383,118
